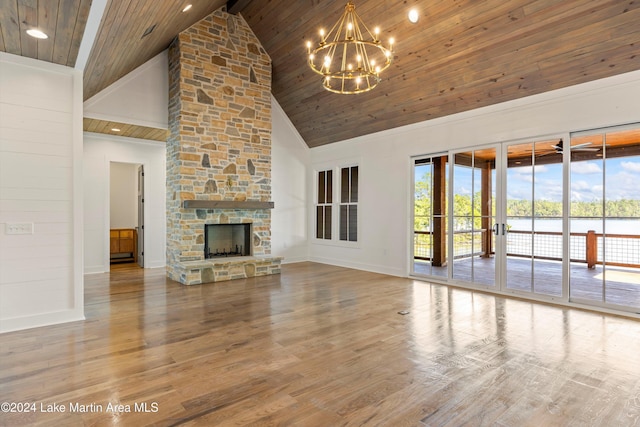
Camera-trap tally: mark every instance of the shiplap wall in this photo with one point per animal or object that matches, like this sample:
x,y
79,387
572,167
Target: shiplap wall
x,y
38,116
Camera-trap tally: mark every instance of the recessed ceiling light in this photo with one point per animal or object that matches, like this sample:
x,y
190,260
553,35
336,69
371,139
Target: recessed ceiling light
x,y
187,7
413,16
37,34
115,129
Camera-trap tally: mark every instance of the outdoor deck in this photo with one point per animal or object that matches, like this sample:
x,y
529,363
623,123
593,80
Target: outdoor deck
x,y
620,286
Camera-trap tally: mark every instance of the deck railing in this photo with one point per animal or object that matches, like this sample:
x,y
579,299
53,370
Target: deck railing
x,y
590,248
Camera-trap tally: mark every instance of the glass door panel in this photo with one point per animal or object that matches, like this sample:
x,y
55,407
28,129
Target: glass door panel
x,y
485,204
605,217
534,243
430,216
473,215
586,220
547,219
519,219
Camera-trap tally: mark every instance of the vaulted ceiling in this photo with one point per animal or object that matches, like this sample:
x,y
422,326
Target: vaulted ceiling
x,y
462,54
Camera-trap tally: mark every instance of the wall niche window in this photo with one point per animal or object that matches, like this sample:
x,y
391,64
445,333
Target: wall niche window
x,y
324,204
349,204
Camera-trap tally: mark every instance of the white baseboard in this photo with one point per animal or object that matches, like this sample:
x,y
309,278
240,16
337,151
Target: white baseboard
x,y
94,269
361,266
36,321
155,264
292,260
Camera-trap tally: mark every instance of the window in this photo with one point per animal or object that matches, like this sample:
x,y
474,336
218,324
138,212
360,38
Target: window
x,y
344,204
323,205
349,204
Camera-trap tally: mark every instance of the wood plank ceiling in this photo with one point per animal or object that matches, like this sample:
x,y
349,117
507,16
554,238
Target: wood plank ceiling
x,y
63,21
124,129
121,45
462,54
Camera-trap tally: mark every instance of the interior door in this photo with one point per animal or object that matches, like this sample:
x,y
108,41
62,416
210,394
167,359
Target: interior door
x,y
533,210
141,216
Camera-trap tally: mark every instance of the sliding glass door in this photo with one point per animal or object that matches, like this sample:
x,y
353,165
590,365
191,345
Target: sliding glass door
x,y
554,218
605,217
473,212
534,206
430,180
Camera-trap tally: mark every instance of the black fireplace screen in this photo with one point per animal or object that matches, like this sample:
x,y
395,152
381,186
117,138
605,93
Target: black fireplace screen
x,y
225,240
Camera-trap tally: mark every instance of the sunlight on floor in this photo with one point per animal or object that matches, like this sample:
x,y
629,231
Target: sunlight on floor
x,y
621,276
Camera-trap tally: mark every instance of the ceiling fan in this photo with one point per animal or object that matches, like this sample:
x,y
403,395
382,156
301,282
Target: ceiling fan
x,y
559,146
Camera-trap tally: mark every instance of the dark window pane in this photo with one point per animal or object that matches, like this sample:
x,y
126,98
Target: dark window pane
x,y
327,222
344,186
329,198
353,223
321,187
319,222
354,184
344,213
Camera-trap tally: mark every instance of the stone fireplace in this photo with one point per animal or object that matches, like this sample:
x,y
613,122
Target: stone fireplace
x,y
219,151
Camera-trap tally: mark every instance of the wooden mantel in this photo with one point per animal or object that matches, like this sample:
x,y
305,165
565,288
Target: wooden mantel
x,y
226,204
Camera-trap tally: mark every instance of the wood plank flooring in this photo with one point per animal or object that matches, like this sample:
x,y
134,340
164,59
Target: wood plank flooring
x,y
320,345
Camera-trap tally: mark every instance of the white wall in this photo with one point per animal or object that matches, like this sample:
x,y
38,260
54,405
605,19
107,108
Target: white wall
x,y
123,197
99,152
385,166
40,173
139,98
290,158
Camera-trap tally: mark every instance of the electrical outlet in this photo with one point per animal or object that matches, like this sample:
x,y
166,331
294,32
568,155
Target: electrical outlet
x,y
18,228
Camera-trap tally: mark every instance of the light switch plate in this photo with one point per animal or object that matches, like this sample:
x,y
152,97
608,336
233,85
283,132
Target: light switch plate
x,y
18,228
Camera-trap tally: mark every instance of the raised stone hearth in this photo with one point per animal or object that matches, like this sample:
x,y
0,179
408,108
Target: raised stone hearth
x,y
219,148
218,270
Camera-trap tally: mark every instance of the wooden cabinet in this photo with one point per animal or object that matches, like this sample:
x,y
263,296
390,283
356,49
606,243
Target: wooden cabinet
x,y
123,244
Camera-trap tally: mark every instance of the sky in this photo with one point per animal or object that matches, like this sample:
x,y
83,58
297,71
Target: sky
x,y
622,176
587,179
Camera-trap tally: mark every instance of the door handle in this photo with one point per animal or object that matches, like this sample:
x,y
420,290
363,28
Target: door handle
x,y
496,229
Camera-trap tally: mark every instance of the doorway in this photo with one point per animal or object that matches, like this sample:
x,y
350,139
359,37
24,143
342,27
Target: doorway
x,y
554,218
126,214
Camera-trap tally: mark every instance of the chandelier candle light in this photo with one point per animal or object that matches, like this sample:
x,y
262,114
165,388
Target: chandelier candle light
x,y
349,62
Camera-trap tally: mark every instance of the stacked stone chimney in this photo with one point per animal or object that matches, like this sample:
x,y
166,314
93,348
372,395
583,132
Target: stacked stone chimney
x,y
219,148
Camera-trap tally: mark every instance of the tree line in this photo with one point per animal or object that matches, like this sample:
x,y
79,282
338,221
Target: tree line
x,y
623,208
465,205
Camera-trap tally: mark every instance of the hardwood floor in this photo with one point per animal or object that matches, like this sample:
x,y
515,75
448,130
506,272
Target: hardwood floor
x,y
320,346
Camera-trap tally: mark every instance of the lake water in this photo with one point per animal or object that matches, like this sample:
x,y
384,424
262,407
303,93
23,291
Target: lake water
x,y
613,226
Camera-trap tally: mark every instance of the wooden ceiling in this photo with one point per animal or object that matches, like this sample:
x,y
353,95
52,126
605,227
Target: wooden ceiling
x,y
595,146
462,54
63,21
121,46
124,129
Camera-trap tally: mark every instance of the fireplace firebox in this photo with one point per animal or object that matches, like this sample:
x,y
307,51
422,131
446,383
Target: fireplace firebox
x,y
227,240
